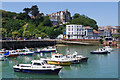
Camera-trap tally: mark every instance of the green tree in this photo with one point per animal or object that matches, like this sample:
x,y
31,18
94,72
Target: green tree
x,y
15,34
34,10
3,32
84,20
76,15
26,34
22,16
47,21
27,10
53,33
43,35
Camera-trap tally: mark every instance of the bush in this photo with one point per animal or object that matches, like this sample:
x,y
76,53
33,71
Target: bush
x,y
101,41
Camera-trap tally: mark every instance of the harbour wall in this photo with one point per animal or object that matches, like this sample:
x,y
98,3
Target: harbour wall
x,y
19,44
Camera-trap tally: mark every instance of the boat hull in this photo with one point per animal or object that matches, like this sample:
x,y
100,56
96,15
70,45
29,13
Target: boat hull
x,y
68,63
99,52
75,61
11,55
49,71
2,58
84,59
27,54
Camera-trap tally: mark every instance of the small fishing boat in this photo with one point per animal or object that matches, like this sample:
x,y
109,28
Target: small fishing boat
x,y
58,59
76,58
11,53
2,58
25,52
108,48
37,66
99,51
46,50
2,51
72,58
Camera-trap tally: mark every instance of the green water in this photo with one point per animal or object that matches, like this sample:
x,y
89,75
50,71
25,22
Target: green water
x,y
98,65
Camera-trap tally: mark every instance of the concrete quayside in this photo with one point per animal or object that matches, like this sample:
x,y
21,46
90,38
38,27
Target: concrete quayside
x,y
15,44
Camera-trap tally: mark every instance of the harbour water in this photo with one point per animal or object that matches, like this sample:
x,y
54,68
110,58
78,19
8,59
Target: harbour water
x,y
98,65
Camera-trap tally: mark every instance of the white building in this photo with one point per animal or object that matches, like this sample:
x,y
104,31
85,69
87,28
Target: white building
x,y
75,31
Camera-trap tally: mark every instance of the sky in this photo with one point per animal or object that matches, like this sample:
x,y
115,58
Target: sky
x,y
105,13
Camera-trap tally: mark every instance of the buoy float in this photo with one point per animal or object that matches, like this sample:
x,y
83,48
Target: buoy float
x,y
14,58
58,62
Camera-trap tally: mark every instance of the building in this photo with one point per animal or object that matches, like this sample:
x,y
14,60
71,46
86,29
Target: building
x,y
75,31
89,32
62,17
95,34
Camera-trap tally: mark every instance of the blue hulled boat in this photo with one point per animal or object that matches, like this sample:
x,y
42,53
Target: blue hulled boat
x,y
99,51
37,66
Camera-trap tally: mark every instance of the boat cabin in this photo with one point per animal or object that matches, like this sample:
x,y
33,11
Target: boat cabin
x,y
38,62
57,56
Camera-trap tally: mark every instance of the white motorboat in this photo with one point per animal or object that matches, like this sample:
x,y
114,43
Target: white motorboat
x,y
46,50
99,51
2,58
76,58
25,51
108,48
37,66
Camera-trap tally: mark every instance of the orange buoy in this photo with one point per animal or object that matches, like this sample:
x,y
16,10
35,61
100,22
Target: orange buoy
x,y
58,62
14,58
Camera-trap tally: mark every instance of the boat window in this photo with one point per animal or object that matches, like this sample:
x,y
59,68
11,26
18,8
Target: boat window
x,y
25,66
44,67
48,67
36,64
56,56
42,63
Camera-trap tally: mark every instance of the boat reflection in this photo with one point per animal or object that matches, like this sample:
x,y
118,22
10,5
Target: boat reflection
x,y
27,75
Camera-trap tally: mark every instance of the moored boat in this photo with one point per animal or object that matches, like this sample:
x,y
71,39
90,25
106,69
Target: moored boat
x,y
108,48
99,51
11,53
46,50
58,59
37,66
2,58
76,58
25,52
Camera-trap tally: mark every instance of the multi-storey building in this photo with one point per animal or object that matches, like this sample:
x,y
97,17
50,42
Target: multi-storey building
x,y
75,32
80,32
62,17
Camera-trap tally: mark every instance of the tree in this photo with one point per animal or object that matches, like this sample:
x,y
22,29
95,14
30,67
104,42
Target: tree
x,y
76,15
22,16
26,34
47,21
53,33
15,34
3,32
34,10
84,20
27,10
43,35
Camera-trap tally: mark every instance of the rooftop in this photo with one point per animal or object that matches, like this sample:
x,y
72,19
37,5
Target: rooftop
x,y
94,31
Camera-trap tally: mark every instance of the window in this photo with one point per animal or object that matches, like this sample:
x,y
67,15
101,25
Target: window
x,y
37,64
56,56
